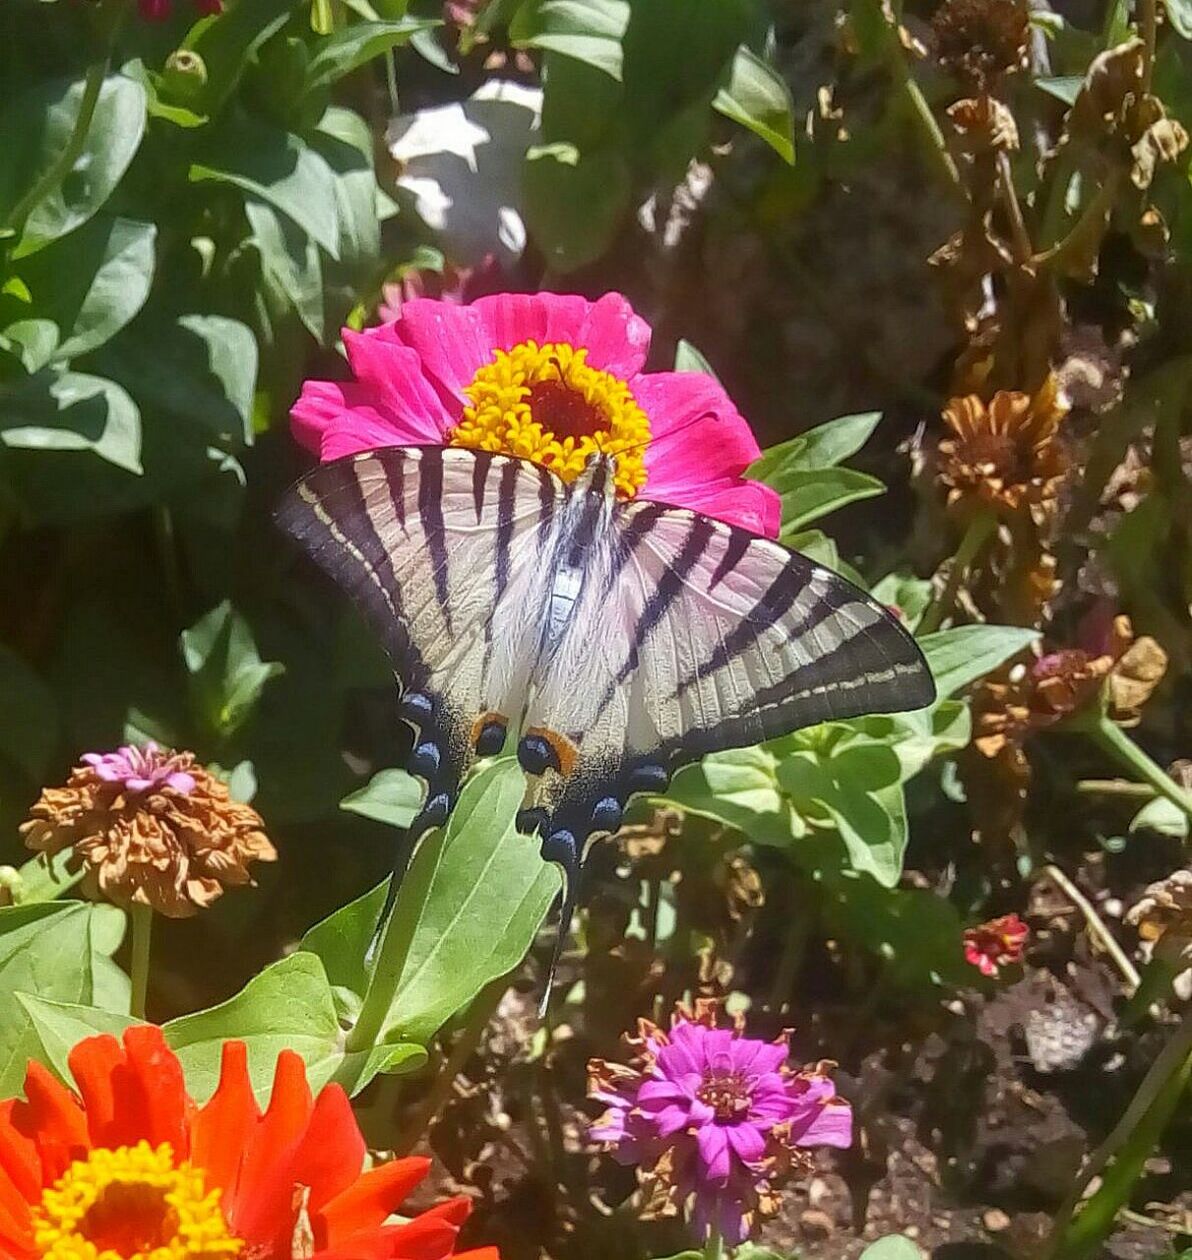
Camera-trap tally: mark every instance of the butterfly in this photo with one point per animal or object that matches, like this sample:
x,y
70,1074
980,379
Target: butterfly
x,y
609,642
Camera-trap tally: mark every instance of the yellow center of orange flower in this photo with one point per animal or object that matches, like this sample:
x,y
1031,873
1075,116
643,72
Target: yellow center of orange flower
x,y
132,1202
546,404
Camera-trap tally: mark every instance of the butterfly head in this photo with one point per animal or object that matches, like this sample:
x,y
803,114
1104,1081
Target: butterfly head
x,y
599,476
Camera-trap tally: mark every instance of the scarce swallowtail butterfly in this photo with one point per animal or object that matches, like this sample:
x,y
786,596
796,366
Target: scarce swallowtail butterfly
x,y
610,642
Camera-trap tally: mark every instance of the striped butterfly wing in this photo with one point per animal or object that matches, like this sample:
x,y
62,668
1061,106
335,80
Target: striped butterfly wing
x,y
691,637
444,550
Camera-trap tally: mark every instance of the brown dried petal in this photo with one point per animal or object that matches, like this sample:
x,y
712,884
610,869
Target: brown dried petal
x,y
1114,80
984,125
1163,141
1135,677
1164,912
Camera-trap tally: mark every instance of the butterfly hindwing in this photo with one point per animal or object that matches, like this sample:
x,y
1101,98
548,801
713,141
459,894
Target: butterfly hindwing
x,y
443,549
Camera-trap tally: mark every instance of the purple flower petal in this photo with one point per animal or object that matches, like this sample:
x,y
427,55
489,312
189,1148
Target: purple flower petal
x,y
713,1153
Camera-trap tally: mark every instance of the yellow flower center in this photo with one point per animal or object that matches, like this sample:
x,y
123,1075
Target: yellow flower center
x,y
546,404
132,1202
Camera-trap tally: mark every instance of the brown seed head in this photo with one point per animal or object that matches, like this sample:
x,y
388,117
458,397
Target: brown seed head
x,y
981,40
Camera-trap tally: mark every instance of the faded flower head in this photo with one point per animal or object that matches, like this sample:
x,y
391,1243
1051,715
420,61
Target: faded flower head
x,y
981,40
983,125
149,826
713,1118
1163,914
1004,455
995,944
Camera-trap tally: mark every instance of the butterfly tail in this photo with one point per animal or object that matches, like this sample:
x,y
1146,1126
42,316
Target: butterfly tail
x,y
563,849
431,817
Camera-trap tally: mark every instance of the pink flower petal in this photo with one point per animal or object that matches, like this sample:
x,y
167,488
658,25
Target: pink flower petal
x,y
660,1092
747,1141
670,1120
833,1126
747,504
697,432
391,375
713,1153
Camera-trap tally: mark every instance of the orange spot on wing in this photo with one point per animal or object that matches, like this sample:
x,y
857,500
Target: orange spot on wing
x,y
566,750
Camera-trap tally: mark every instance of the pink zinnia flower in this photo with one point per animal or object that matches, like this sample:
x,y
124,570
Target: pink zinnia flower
x,y
714,1117
141,769
546,377
995,944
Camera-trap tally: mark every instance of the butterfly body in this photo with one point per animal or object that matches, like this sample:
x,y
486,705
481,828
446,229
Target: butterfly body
x,y
610,641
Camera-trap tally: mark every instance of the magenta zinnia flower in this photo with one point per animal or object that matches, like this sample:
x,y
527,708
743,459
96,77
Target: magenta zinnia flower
x,y
996,944
714,1118
140,769
546,377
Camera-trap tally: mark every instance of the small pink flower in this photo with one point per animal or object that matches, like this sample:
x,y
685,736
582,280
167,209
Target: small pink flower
x,y
547,377
142,769
996,944
713,1118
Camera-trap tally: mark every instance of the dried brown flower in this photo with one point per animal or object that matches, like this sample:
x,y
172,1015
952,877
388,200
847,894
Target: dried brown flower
x,y
1164,913
984,125
149,827
981,40
1003,455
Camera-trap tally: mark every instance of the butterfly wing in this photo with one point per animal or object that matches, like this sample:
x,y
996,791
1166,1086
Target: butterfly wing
x,y
692,636
443,549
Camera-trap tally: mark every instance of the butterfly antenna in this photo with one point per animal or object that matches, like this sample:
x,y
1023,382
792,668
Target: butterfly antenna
x,y
562,849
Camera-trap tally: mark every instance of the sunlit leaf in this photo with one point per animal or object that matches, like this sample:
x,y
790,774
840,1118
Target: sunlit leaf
x,y
757,97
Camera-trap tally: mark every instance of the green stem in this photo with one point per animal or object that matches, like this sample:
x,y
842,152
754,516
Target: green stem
x,y
979,530
1132,1140
1096,926
1106,733
142,932
714,1247
462,1049
382,988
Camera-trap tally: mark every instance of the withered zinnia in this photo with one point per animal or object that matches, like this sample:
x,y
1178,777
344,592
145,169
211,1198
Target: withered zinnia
x,y
149,827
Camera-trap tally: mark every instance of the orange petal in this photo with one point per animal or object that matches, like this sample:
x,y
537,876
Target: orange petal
x,y
92,1064
16,1225
220,1132
331,1154
424,1238
272,1144
18,1155
481,1253
157,1074
53,1119
371,1198
453,1211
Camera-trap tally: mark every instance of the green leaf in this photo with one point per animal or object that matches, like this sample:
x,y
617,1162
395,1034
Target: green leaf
x,y
67,411
35,132
351,46
960,656
575,202
280,168
227,673
227,44
1180,13
892,1247
808,495
825,446
689,359
60,1026
757,97
391,796
44,881
1163,816
289,1006
90,283
341,939
738,788
859,785
28,716
53,950
468,907
1064,87
590,31
345,143
289,262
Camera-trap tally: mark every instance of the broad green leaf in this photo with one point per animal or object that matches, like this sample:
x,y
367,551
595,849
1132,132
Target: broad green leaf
x,y
575,202
345,143
289,262
35,134
908,594
1180,14
40,880
825,446
60,1026
288,1006
351,46
591,31
738,788
1163,816
226,671
918,738
689,359
279,167
28,716
1065,88
892,1247
391,796
67,411
90,283
341,939
52,950
227,44
960,656
469,905
808,495
859,785
757,97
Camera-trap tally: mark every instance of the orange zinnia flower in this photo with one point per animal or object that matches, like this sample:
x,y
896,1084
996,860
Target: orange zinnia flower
x,y
132,1167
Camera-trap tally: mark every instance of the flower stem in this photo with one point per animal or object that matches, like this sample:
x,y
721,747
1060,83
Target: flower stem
x,y
1096,926
975,537
714,1247
1112,739
141,919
